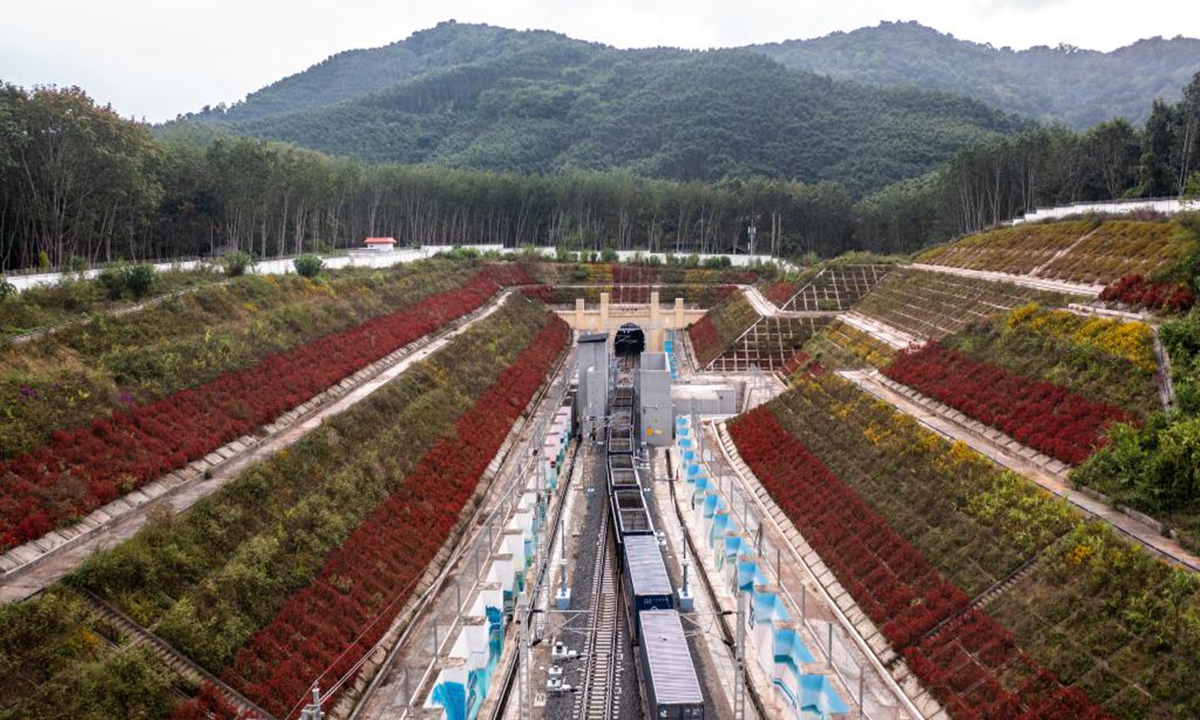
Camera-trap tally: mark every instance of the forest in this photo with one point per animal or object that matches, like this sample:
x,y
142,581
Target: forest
x,y
1067,84
81,185
1061,84
1000,178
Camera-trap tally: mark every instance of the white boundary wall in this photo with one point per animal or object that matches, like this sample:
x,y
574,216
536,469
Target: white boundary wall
x,y
1166,206
371,258
627,255
375,259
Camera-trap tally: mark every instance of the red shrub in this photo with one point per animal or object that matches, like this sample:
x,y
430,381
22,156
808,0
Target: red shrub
x,y
508,274
634,275
781,291
703,334
1042,415
795,362
1137,291
854,540
208,704
544,293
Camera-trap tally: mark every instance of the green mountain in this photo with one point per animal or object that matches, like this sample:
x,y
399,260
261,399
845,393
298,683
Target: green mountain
x,y
536,102
1078,87
354,73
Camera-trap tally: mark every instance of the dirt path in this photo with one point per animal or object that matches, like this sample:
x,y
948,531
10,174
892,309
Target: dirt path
x,y
1058,286
1019,458
62,559
892,336
766,308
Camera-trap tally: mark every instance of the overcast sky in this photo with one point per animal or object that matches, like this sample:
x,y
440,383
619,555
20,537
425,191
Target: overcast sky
x,y
158,58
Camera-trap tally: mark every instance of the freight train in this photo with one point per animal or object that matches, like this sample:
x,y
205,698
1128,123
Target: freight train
x,y
666,669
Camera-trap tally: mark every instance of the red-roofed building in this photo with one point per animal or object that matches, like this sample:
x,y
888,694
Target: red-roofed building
x,y
380,244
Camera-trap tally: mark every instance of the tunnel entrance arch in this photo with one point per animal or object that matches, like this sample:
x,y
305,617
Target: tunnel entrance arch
x,y
629,341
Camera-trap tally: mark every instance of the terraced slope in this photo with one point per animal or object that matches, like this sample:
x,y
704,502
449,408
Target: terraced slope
x,y
720,327
933,305
60,659
210,582
68,379
836,287
768,344
1107,360
1001,600
1089,251
80,470
705,296
841,346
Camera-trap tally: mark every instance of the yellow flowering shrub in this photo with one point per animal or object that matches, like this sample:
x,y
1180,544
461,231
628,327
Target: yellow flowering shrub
x,y
1128,339
861,345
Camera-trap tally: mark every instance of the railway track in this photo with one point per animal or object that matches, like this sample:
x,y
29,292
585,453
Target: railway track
x,y
172,658
600,693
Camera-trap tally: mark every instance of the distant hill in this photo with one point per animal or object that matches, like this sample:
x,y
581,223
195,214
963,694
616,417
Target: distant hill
x,y
483,97
1078,87
355,73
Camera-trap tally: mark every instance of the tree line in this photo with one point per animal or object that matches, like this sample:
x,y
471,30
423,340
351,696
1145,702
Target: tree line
x,y
1002,177
80,185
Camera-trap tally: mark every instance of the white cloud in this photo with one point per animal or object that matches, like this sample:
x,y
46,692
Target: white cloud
x,y
157,58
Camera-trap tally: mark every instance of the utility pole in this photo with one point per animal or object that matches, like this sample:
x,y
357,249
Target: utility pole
x,y
563,598
739,684
312,711
525,658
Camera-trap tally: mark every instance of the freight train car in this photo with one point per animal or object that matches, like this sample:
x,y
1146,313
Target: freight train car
x,y
630,514
671,688
622,473
620,439
646,585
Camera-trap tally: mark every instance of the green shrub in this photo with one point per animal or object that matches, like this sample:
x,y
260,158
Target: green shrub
x,y
460,253
69,293
653,261
609,255
1192,189
237,263
43,260
79,264
718,262
7,289
140,279
561,254
308,266
766,268
115,280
